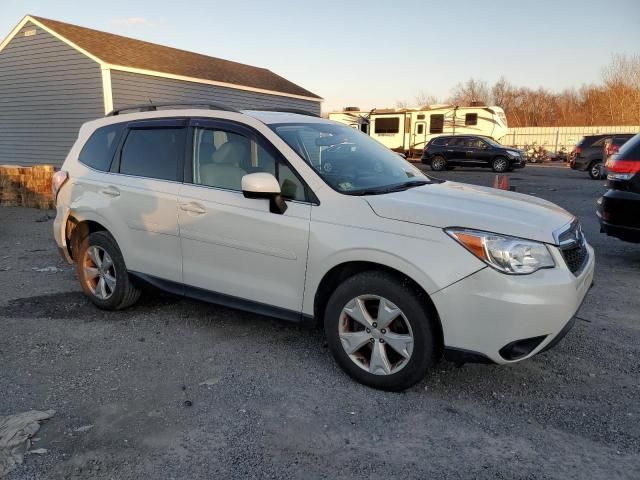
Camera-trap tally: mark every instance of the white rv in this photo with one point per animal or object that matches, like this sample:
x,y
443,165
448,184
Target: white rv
x,y
408,130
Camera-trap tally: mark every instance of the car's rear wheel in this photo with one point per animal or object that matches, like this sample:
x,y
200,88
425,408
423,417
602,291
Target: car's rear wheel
x,y
103,274
500,164
438,163
379,331
595,171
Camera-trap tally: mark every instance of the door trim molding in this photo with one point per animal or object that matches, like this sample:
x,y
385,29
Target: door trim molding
x,y
219,298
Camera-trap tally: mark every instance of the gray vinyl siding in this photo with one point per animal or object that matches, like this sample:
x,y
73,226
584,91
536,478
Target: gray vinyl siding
x,y
47,90
134,88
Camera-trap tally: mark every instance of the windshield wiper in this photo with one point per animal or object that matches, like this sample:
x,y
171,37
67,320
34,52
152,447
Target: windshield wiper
x,y
389,189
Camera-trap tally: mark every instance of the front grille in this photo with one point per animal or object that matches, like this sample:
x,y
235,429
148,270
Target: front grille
x,y
575,257
573,246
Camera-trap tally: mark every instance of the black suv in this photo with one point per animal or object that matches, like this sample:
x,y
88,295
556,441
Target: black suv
x,y
448,151
619,207
589,153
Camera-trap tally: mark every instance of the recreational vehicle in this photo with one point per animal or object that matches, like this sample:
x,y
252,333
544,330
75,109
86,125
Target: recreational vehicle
x,y
408,130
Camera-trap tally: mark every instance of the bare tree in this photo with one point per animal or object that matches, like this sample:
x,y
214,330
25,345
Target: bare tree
x,y
470,91
423,99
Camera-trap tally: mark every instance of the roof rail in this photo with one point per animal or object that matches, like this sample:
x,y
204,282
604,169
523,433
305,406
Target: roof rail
x,y
152,107
286,110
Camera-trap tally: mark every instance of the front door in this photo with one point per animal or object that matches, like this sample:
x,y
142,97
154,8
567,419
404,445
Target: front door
x,y
232,245
478,151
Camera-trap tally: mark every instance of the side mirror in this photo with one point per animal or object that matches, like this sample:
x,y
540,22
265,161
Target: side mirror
x,y
264,185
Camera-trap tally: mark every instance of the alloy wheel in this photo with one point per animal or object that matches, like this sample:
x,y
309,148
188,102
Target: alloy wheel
x,y
500,165
375,334
99,272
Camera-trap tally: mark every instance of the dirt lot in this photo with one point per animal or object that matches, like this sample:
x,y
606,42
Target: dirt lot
x,y
175,388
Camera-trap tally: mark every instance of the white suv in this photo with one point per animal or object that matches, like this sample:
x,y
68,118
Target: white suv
x,y
297,217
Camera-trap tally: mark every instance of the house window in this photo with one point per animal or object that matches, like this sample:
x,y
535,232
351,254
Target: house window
x,y
421,116
437,123
387,125
471,119
420,130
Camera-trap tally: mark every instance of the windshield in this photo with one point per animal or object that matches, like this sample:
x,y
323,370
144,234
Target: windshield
x,y
351,162
492,142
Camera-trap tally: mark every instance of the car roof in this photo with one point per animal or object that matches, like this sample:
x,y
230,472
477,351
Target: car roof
x,y
266,117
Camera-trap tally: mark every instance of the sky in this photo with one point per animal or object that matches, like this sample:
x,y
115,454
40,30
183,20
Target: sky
x,y
375,53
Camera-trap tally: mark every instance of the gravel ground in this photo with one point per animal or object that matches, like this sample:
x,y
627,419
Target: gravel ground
x,y
174,388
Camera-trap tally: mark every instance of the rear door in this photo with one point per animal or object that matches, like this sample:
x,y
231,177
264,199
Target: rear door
x,y
232,245
142,191
456,150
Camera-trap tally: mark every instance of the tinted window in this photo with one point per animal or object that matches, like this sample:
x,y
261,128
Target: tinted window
x,y
471,119
98,151
631,149
153,153
437,123
440,141
387,125
221,158
475,143
599,143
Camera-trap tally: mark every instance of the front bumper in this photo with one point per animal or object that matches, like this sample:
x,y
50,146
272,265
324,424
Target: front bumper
x,y
494,315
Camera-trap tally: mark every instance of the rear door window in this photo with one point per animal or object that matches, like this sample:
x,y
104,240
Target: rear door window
x,y
98,152
154,153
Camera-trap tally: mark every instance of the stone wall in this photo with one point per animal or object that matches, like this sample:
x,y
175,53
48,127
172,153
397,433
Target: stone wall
x,y
26,186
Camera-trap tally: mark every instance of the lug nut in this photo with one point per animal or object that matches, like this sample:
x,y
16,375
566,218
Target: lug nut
x,y
382,340
375,325
383,331
372,340
368,330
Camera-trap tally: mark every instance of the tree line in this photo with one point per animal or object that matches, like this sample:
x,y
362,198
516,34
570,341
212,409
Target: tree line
x,y
613,101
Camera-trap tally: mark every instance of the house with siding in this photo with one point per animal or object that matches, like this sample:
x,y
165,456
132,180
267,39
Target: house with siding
x,y
55,76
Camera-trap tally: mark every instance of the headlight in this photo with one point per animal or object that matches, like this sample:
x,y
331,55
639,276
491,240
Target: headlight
x,y
506,254
513,154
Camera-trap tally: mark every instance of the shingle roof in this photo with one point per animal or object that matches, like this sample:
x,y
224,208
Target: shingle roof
x,y
129,52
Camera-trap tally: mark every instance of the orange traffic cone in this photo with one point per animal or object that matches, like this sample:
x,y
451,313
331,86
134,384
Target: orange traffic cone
x,y
504,185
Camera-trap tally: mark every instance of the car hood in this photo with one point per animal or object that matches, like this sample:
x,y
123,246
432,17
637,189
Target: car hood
x,y
452,204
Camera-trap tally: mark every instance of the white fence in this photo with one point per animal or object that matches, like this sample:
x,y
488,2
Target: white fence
x,y
556,138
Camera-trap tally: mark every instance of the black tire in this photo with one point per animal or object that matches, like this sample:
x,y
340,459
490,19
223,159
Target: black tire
x,y
500,164
595,171
410,302
125,293
438,163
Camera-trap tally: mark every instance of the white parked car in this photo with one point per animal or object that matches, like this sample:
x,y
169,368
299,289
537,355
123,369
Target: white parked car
x,y
297,217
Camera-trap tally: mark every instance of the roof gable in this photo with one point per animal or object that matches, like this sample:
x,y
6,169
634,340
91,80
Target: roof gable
x,y
116,50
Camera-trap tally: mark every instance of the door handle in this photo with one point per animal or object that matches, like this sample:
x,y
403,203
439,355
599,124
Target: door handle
x,y
193,207
110,191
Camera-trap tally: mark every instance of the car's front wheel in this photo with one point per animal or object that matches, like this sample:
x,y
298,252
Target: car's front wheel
x,y
103,274
500,165
438,163
379,331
